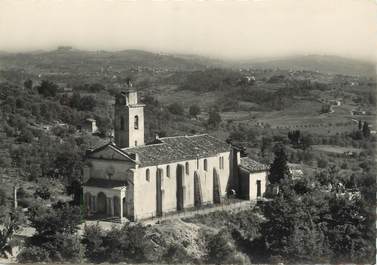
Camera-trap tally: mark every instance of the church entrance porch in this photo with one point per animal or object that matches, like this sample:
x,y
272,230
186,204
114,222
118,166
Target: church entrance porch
x,y
102,202
105,204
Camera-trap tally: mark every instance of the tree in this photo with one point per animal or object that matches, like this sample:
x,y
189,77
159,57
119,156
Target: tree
x,y
294,137
28,84
43,192
10,221
326,108
279,168
176,108
55,238
221,249
124,244
366,130
26,136
75,100
214,118
48,89
306,141
87,103
194,110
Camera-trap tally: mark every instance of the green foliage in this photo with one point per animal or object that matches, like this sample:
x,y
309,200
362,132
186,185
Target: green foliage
x,y
279,168
42,192
326,108
124,244
194,110
55,239
10,220
221,248
61,219
214,118
366,130
308,225
28,84
211,79
26,136
176,108
47,88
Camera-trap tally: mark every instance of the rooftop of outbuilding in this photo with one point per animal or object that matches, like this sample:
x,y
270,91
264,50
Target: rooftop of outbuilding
x,y
252,165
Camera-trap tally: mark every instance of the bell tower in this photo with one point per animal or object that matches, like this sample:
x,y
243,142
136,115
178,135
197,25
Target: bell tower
x,y
128,119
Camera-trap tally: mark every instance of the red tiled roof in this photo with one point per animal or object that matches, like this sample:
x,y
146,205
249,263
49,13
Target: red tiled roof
x,y
252,165
105,183
173,149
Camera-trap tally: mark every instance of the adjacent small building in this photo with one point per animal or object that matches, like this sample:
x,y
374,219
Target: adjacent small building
x,y
253,178
89,125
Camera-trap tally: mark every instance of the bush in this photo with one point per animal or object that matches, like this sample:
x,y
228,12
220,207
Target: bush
x,y
47,89
33,254
322,163
125,244
194,110
176,108
214,119
43,192
26,136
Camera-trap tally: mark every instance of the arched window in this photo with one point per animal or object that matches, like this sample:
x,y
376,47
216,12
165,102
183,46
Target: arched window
x,y
147,175
187,168
136,122
205,165
168,171
122,123
197,163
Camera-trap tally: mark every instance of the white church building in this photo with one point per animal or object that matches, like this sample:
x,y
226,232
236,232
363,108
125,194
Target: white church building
x,y
131,180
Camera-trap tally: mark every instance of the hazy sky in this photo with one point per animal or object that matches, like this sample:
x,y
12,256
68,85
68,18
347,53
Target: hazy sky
x,y
229,28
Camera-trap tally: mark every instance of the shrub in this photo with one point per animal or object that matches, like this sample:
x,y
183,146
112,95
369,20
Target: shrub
x,y
194,110
176,108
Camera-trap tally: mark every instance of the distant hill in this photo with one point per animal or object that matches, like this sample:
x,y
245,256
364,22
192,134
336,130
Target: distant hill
x,y
72,60
321,63
88,61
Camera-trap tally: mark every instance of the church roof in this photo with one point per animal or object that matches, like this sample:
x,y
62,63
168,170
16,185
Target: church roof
x,y
179,148
252,165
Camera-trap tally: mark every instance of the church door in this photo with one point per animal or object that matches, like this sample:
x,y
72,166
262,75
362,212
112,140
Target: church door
x,y
101,203
216,187
179,187
158,194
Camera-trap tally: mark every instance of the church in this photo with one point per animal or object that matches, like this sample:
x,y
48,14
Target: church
x,y
130,180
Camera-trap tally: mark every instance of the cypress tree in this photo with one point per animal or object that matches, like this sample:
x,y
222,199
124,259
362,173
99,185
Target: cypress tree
x,y
279,168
